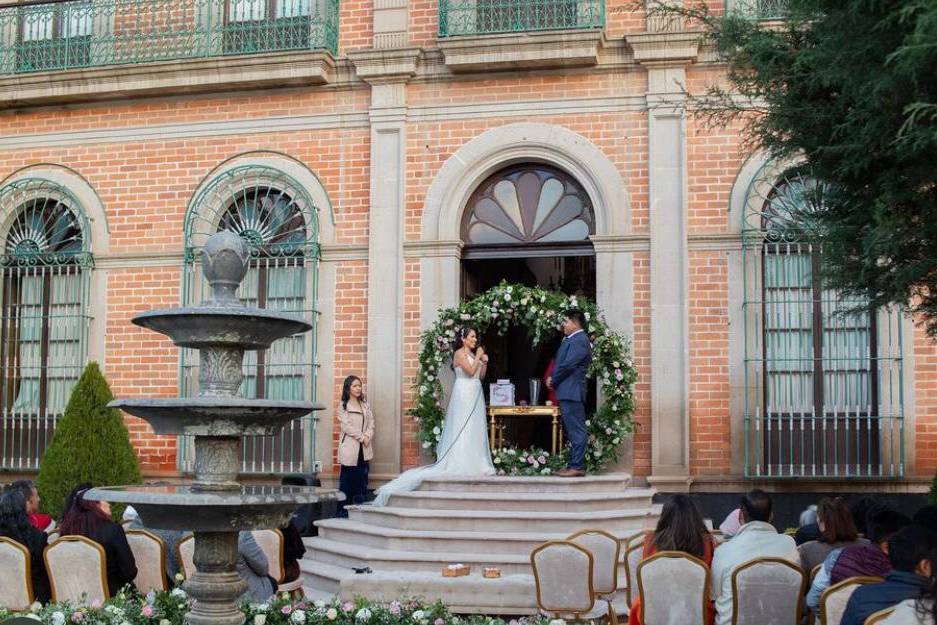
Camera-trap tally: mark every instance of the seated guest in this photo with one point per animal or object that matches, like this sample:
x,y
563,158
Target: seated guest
x,y
680,528
92,519
908,551
254,569
70,497
730,525
15,524
293,551
921,611
756,538
170,538
42,522
863,560
837,530
807,529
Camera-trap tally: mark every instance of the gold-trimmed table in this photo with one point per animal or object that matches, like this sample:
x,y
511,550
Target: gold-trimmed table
x,y
497,414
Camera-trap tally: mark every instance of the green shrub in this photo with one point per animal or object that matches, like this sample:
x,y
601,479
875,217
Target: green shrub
x,y
91,444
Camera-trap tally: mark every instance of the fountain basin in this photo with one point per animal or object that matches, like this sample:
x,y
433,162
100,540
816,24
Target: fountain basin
x,y
202,327
180,507
216,416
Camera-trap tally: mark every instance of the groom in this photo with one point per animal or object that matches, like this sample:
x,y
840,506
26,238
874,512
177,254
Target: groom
x,y
569,382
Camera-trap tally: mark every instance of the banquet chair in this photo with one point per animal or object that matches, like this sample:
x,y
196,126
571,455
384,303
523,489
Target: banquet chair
x,y
673,588
632,559
54,536
768,591
77,568
185,554
16,587
879,617
605,550
271,543
563,577
149,552
834,599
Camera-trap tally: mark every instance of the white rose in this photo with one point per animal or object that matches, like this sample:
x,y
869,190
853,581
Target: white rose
x,y
507,297
319,603
497,460
260,619
426,445
616,440
331,614
35,607
177,592
363,615
436,430
557,621
418,615
58,618
298,617
165,621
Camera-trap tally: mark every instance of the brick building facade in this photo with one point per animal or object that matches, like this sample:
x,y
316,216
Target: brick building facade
x,y
347,138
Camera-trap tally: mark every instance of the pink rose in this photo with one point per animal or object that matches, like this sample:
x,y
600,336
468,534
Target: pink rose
x,y
439,621
77,617
147,611
348,606
286,609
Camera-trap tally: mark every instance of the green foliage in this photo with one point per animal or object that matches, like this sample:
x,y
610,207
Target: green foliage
x,y
540,312
848,86
91,444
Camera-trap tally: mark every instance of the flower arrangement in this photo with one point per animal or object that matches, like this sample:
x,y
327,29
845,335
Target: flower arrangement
x,y
169,607
540,312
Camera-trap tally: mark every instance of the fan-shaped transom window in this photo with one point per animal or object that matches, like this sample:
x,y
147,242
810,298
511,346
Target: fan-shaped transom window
x,y
276,217
528,204
44,271
827,368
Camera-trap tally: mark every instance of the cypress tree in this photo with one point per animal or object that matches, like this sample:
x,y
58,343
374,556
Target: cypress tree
x,y
91,444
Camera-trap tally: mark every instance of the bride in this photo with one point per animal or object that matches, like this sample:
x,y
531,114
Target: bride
x,y
463,446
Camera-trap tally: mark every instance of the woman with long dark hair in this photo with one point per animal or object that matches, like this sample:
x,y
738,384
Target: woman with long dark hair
x,y
680,528
837,529
462,441
14,524
354,446
92,519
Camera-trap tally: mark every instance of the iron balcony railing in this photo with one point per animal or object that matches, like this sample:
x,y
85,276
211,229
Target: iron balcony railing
x,y
481,17
759,9
58,35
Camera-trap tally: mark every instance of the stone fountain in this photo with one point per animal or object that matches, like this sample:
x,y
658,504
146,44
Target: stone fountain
x,y
215,507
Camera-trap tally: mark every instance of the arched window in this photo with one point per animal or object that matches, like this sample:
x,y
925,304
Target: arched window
x,y
278,220
530,205
823,370
45,267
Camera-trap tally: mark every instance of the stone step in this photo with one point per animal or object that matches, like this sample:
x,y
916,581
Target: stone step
x,y
619,522
355,532
631,499
498,483
348,556
325,579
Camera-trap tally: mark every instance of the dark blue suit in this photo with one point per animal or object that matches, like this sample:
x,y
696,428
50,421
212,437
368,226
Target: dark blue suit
x,y
569,382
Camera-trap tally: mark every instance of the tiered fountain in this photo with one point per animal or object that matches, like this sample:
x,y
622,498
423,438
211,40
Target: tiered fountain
x,y
215,507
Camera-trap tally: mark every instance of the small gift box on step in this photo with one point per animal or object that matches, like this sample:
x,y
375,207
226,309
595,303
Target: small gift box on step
x,y
491,572
456,570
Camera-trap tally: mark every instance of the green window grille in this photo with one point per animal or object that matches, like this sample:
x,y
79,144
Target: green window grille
x,y
823,372
44,275
759,9
57,34
275,215
478,17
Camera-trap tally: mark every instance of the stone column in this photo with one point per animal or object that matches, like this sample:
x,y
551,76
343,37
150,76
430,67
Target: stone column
x,y
665,55
387,71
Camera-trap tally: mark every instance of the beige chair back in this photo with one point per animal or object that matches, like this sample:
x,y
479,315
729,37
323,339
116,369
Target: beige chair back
x,y
605,550
186,556
271,543
16,591
881,617
768,591
563,576
77,568
149,551
834,599
674,589
632,559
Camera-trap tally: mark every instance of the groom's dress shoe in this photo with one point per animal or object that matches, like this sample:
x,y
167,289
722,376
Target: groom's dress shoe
x,y
570,473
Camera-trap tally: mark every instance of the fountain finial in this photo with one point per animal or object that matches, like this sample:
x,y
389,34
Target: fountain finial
x,y
224,263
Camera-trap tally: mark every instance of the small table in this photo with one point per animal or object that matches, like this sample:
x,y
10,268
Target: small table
x,y
498,413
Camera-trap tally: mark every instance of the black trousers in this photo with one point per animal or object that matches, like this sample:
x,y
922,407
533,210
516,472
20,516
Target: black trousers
x,y
353,481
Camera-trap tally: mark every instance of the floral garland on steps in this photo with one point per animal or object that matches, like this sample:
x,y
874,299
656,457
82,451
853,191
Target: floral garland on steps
x,y
540,312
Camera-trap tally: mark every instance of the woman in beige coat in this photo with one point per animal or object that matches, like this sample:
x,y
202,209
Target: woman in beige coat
x,y
354,445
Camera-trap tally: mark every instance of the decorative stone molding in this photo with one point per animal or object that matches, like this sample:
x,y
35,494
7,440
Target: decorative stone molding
x,y
526,50
433,249
664,48
621,243
167,78
376,66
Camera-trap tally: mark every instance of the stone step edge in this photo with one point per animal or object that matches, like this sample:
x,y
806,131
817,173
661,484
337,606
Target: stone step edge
x,y
428,513
614,478
565,496
347,525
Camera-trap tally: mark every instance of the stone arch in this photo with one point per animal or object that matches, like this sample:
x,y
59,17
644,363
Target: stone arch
x,y
754,180
524,142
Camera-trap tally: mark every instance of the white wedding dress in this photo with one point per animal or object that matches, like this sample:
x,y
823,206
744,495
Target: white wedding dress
x,y
463,445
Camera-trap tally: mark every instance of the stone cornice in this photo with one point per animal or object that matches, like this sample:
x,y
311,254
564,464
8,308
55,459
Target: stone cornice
x,y
432,249
377,66
620,243
344,251
524,50
162,78
664,49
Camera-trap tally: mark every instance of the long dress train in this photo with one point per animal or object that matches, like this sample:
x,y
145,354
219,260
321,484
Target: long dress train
x,y
463,446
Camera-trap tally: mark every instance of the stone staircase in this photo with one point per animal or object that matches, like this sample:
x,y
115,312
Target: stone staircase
x,y
479,521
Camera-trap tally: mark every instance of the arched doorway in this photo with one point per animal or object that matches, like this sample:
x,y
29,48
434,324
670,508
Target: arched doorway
x,y
528,223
